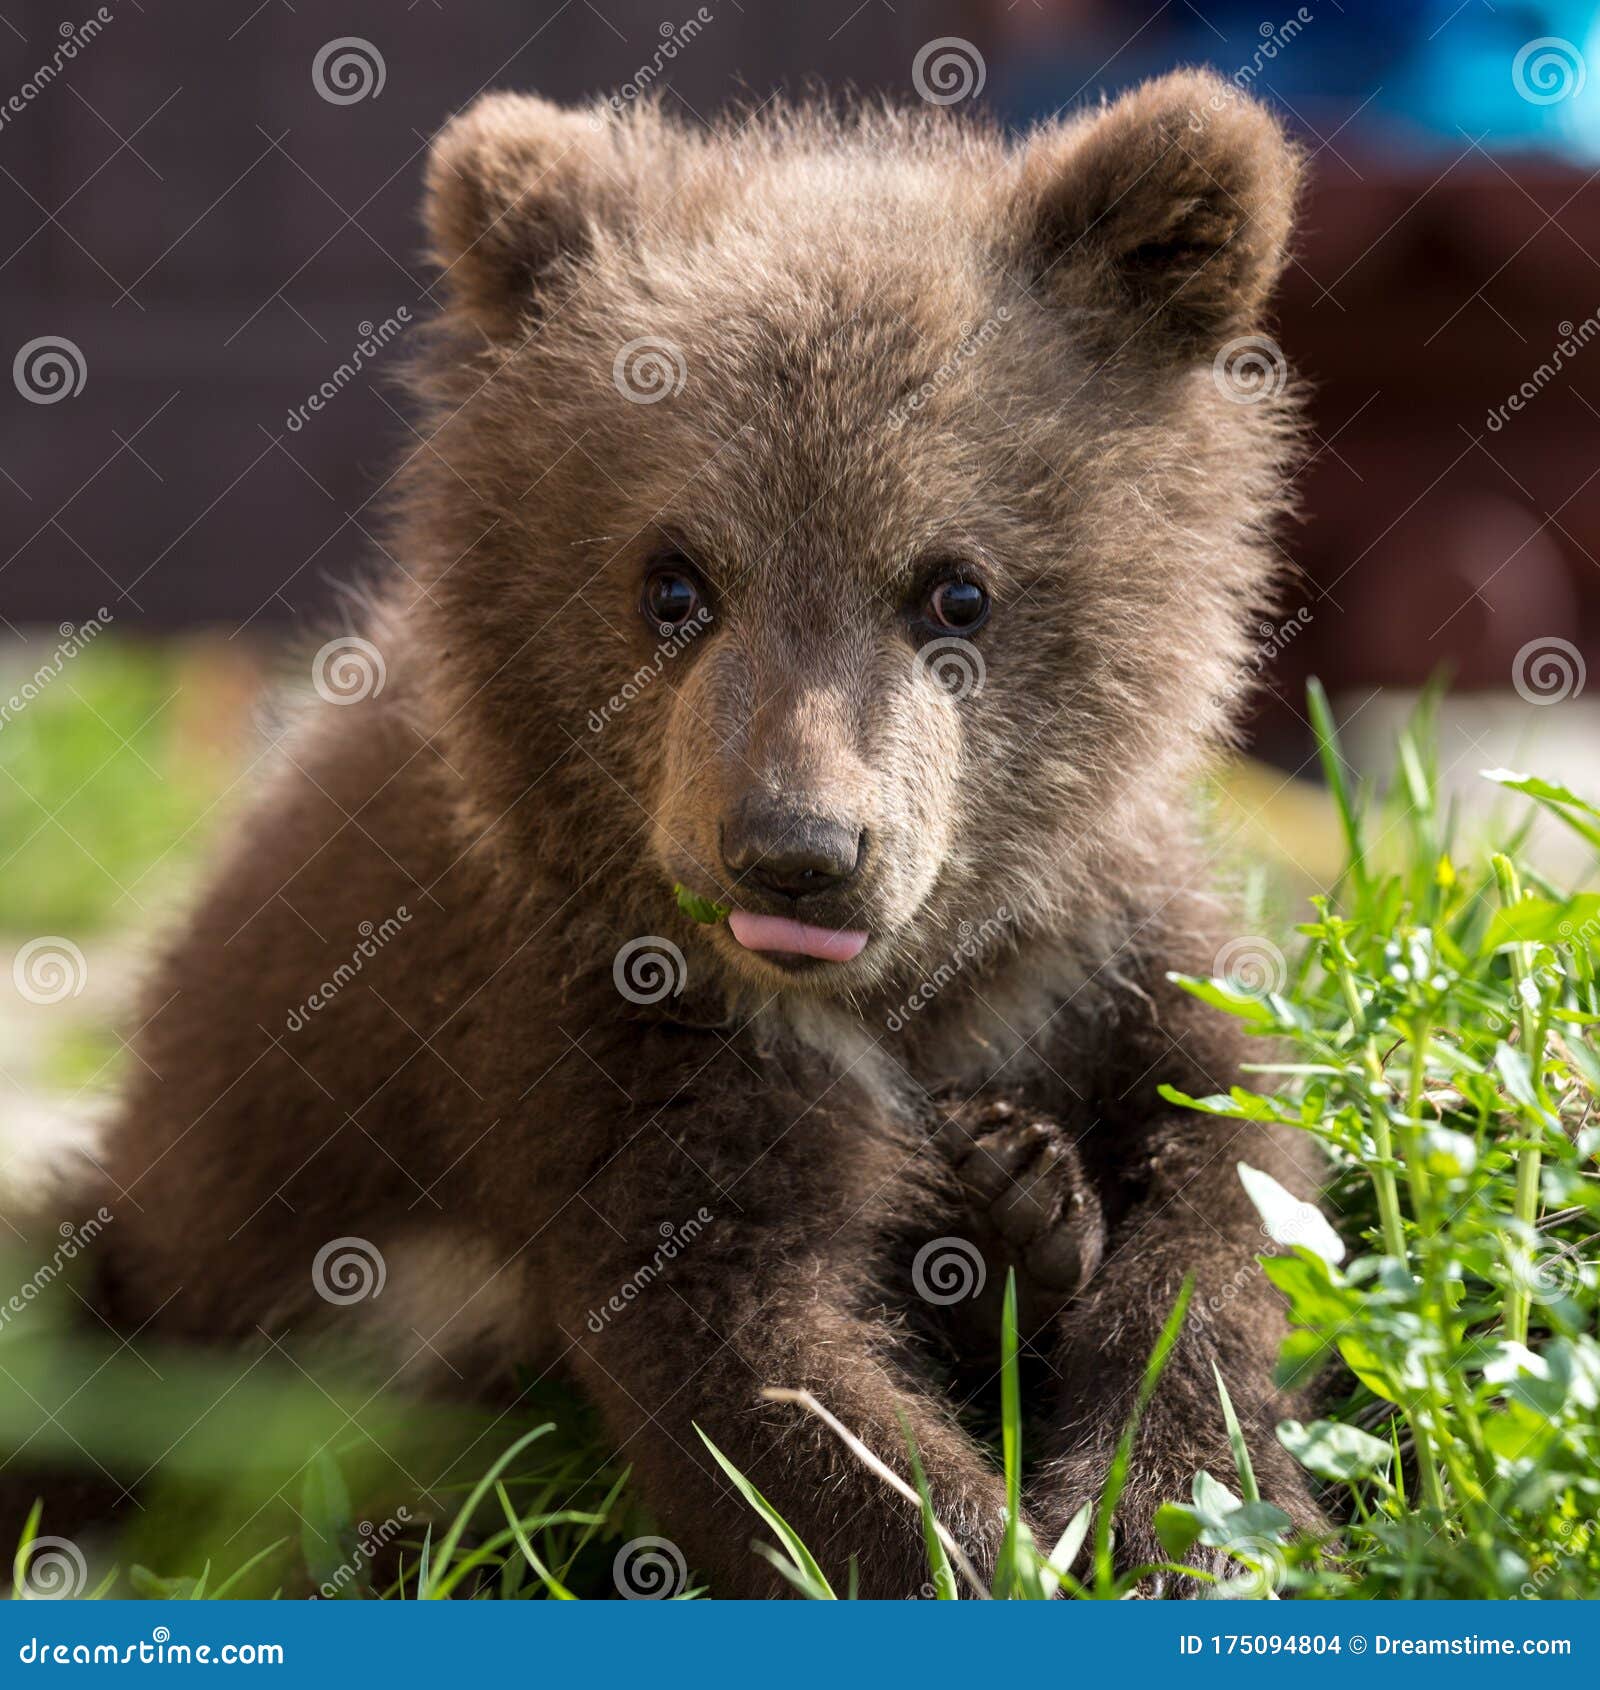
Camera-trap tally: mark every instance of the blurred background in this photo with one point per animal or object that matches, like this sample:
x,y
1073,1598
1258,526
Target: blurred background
x,y
210,264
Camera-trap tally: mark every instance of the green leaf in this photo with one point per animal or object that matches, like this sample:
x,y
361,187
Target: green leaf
x,y
1544,921
326,1527
1117,1477
1333,769
551,1583
1241,1454
1290,1220
704,910
1008,1561
1264,1010
1058,1565
1558,800
1334,1451
436,1581
1178,1528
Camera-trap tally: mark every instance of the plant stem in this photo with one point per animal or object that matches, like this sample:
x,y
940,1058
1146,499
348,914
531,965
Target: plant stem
x,y
1525,1200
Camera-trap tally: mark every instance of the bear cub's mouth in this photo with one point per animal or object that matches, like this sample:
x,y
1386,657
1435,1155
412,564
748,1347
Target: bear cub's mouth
x,y
782,936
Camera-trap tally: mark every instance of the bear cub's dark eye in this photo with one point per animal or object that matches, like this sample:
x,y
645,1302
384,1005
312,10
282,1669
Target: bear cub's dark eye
x,y
672,595
958,607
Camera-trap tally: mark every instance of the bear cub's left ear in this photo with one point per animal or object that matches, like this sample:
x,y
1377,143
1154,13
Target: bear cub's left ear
x,y
1165,217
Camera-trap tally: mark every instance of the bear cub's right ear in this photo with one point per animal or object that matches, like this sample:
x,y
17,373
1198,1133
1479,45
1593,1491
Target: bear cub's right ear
x,y
516,187
1164,218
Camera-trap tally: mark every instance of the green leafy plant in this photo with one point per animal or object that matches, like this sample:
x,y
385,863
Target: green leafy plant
x,y
1437,1035
704,910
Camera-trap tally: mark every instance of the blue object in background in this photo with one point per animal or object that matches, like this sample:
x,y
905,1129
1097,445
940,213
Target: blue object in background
x,y
1425,77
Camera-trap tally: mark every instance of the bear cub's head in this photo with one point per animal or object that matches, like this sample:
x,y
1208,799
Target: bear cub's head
x,y
855,519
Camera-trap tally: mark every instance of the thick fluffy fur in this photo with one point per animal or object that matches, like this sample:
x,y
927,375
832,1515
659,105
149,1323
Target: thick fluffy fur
x,y
901,339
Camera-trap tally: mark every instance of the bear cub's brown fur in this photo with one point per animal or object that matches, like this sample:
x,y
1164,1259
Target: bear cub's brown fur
x,y
855,520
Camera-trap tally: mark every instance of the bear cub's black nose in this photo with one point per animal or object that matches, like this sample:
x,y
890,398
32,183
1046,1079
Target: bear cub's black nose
x,y
787,852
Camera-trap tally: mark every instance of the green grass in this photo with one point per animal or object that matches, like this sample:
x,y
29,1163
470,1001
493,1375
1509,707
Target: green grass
x,y
1436,1032
99,794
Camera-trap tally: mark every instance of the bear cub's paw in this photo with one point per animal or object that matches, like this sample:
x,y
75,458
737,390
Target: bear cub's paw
x,y
1028,1204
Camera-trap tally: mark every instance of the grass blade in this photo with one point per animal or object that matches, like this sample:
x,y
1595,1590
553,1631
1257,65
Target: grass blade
x,y
944,1577
1248,1488
804,1561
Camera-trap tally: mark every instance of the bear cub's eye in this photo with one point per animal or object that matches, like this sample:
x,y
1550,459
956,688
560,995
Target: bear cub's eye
x,y
957,606
673,594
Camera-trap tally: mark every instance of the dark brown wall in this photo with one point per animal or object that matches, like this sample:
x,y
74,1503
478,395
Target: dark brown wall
x,y
184,207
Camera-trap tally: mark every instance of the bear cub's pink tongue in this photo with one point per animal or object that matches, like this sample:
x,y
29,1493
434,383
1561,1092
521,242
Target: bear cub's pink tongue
x,y
797,938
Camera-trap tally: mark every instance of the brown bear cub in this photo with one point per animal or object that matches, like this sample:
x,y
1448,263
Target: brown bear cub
x,y
852,521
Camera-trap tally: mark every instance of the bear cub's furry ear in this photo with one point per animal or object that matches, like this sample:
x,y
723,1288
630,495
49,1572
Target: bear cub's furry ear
x,y
1165,216
516,185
